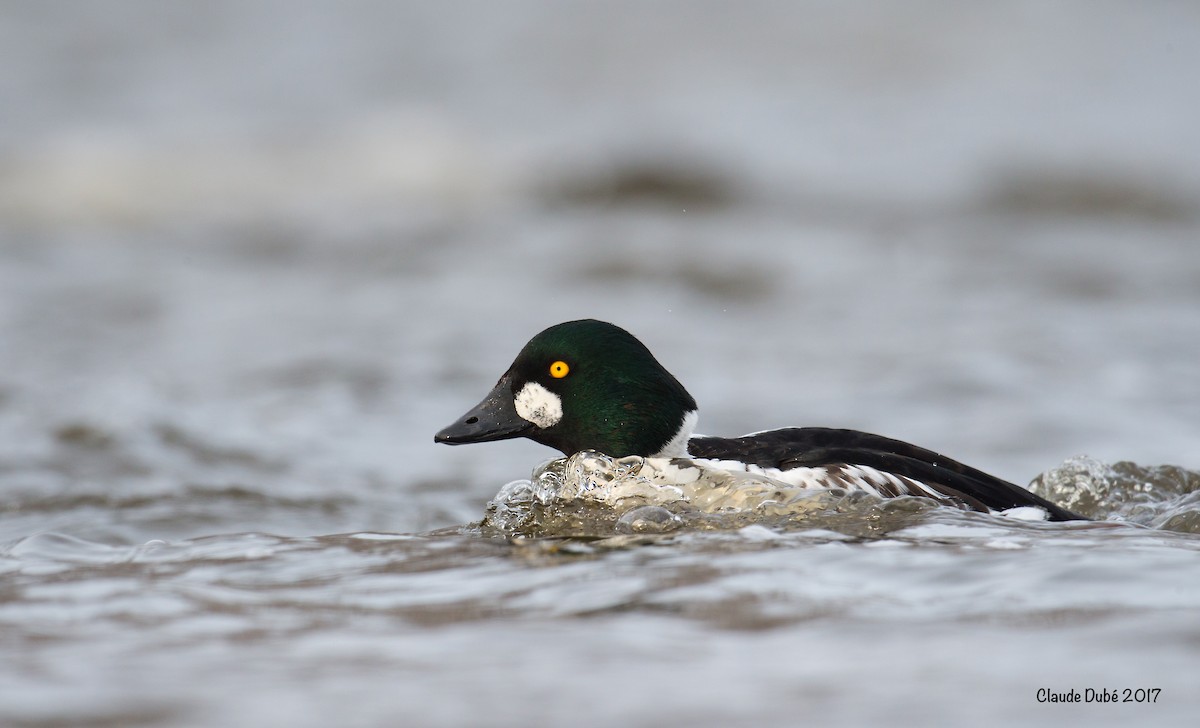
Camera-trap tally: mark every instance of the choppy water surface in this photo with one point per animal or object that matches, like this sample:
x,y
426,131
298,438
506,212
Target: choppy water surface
x,y
834,608
252,259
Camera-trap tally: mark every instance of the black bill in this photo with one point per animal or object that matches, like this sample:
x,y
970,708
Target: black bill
x,y
495,418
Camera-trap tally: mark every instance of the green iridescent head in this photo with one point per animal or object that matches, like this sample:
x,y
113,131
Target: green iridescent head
x,y
584,385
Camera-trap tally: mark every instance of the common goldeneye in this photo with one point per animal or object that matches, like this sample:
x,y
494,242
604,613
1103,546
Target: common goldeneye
x,y
590,385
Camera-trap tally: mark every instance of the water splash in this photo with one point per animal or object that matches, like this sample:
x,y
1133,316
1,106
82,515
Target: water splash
x,y
591,494
1164,496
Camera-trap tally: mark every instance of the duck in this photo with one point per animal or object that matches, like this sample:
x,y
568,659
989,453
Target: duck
x,y
591,385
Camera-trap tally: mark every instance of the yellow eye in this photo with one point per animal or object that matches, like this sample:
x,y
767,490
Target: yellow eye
x,y
559,369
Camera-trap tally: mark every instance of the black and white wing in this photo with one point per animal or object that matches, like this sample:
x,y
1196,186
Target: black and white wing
x,y
881,465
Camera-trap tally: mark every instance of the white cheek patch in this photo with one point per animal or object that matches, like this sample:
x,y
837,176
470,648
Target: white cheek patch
x,y
538,405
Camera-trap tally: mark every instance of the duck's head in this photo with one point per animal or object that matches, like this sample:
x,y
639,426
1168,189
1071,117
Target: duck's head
x,y
584,385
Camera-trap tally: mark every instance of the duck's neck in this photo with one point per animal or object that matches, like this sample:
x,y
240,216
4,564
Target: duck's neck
x,y
677,446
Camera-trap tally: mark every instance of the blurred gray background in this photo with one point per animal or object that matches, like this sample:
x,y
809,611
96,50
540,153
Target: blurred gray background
x,y
254,254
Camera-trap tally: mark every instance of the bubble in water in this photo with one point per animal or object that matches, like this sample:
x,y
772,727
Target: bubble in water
x,y
648,519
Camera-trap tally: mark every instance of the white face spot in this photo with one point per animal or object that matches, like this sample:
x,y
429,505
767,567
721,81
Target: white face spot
x,y
538,405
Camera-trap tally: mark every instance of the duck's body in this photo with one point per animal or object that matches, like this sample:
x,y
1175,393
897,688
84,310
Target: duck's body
x,y
590,385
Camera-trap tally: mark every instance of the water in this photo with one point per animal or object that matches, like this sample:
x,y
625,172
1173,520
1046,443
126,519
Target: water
x,y
837,615
252,258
